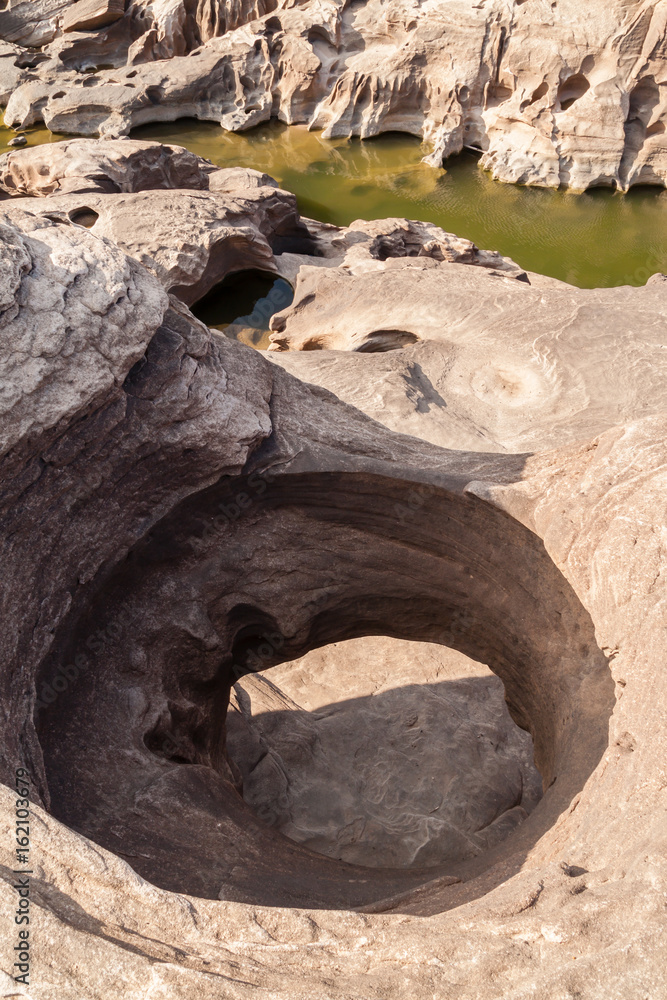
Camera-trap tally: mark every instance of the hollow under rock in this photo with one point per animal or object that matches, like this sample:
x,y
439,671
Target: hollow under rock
x,y
242,304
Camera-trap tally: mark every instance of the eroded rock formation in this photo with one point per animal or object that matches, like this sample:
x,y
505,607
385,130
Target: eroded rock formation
x,y
177,509
82,166
191,239
505,363
551,93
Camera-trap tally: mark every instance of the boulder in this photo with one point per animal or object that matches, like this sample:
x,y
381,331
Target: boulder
x,y
69,304
190,240
153,201
87,15
32,22
421,761
83,165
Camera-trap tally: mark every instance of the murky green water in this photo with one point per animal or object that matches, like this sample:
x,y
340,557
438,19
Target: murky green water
x,y
35,136
595,239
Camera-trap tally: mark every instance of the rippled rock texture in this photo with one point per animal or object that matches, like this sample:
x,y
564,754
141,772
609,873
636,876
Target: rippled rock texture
x,y
498,360
283,675
552,94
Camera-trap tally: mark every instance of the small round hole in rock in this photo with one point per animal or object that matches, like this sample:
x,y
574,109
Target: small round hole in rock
x,y
381,341
571,90
242,304
86,217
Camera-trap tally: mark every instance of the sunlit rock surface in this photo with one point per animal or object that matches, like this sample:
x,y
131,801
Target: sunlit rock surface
x,y
86,166
553,94
383,753
140,196
493,359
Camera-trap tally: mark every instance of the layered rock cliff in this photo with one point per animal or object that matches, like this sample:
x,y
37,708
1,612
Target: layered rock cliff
x,y
553,94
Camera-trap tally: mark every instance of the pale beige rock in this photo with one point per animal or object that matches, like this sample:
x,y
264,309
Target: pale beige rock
x,y
68,283
383,753
87,15
551,94
10,73
366,246
123,165
489,362
191,239
232,178
587,908
86,165
492,359
32,22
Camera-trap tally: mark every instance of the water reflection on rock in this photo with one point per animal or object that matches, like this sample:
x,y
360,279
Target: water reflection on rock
x,y
242,305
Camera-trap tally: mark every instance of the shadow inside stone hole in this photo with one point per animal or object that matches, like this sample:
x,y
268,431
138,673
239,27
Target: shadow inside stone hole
x,y
86,217
242,304
411,777
464,575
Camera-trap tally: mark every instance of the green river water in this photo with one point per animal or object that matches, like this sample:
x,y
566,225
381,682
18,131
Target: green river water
x,y
595,239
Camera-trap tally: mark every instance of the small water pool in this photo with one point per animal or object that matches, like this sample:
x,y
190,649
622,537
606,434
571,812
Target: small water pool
x,y
242,305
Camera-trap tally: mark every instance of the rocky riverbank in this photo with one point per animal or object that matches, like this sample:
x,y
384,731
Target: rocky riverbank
x,y
553,94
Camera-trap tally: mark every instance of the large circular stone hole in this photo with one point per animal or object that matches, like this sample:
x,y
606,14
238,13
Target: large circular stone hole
x,y
242,304
383,752
393,758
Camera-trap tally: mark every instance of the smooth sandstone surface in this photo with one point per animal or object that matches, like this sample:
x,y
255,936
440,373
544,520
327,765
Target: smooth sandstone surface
x,y
489,360
184,520
86,15
460,346
118,166
553,94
